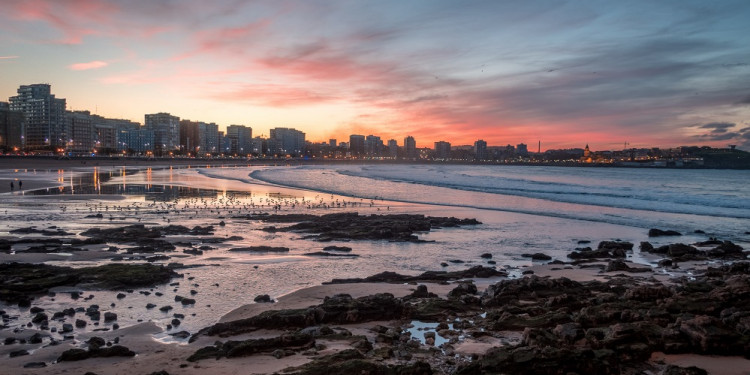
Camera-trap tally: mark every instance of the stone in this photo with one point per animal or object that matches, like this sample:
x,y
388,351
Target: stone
x,y
653,232
263,298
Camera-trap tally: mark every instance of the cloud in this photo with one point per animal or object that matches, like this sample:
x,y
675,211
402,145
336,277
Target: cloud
x,y
718,127
8,57
88,65
273,95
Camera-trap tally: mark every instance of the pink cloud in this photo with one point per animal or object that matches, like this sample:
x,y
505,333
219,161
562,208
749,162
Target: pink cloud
x,y
8,57
88,65
68,17
273,95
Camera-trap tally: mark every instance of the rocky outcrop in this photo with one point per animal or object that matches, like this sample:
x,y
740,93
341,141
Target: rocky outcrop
x,y
352,226
654,232
339,309
22,281
429,276
232,349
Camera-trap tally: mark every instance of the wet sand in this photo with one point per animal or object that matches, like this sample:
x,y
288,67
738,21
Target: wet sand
x,y
153,355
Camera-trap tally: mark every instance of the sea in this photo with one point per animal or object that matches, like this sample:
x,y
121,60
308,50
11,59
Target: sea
x,y
523,210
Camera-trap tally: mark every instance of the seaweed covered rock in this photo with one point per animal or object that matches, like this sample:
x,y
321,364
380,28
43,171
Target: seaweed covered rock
x,y
352,361
353,226
231,349
94,352
21,280
338,309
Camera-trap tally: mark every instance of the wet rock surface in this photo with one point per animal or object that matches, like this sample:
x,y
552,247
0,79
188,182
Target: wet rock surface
x,y
352,226
23,281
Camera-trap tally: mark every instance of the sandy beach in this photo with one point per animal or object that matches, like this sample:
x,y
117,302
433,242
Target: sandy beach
x,y
458,324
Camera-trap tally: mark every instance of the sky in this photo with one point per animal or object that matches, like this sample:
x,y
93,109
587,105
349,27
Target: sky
x,y
567,73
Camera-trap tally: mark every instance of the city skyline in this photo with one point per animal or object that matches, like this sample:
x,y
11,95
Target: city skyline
x,y
566,73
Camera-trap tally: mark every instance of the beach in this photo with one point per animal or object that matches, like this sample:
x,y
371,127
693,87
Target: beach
x,y
264,240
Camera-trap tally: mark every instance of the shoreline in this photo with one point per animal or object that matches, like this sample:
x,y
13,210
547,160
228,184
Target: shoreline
x,y
52,162
157,351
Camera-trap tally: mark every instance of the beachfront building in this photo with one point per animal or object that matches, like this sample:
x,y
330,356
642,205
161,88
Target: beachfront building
x,y
373,146
392,148
80,132
286,141
480,150
45,116
356,145
410,148
11,128
442,150
199,138
522,149
136,141
166,130
241,139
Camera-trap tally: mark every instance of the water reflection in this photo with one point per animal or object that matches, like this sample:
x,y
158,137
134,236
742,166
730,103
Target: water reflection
x,y
96,184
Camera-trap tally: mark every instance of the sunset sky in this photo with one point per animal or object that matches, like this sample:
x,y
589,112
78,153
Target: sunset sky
x,y
650,73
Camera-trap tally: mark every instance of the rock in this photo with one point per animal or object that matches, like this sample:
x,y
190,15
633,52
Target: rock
x,y
36,309
35,365
39,318
325,254
67,327
260,249
537,256
23,279
263,298
676,370
18,353
421,292
36,338
620,265
463,288
344,249
80,323
150,305
96,342
338,309
187,301
433,276
646,247
80,354
653,232
486,256
165,308
352,226
109,317
277,345
568,332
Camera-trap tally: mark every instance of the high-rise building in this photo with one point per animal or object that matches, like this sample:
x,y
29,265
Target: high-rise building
x,y
11,128
522,149
166,130
480,150
373,145
136,141
258,146
392,148
286,141
356,145
332,142
241,137
442,150
80,132
199,137
45,116
225,144
410,148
